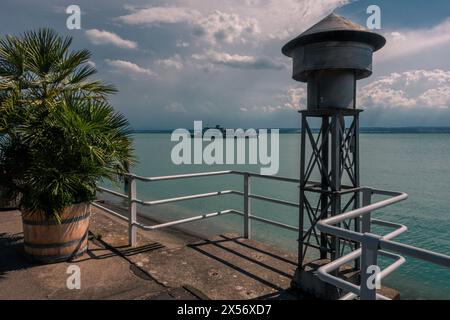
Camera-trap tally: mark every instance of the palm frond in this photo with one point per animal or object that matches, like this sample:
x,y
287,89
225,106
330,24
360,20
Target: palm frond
x,y
58,134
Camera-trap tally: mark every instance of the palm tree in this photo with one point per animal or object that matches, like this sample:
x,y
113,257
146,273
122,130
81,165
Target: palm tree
x,y
58,134
57,161
38,69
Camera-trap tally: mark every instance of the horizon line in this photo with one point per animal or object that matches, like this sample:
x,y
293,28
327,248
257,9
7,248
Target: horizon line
x,y
293,129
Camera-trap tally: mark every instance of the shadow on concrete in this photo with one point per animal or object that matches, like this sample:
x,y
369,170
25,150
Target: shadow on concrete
x,y
12,256
239,254
288,294
267,253
129,251
243,271
280,294
124,251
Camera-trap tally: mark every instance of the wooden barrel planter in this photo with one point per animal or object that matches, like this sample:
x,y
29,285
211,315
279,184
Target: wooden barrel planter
x,y
49,241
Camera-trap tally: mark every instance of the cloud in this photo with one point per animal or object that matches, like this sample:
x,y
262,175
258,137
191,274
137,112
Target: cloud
x,y
213,19
160,15
226,27
175,107
215,27
295,98
173,62
283,19
410,89
409,42
436,97
278,19
129,67
182,44
106,37
237,61
262,109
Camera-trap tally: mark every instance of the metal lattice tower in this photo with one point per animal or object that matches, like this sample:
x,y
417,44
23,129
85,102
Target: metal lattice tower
x,y
335,157
330,57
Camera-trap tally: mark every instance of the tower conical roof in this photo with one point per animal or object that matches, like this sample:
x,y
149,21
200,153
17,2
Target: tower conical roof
x,y
335,28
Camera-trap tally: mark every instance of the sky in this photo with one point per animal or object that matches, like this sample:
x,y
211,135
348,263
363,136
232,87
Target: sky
x,y
220,61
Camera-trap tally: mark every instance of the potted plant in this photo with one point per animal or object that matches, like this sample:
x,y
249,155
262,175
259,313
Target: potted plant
x,y
58,138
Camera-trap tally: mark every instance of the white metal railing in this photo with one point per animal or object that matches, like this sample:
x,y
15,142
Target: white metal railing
x,y
371,245
132,199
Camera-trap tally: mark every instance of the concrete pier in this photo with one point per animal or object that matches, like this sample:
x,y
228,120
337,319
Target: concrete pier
x,y
165,265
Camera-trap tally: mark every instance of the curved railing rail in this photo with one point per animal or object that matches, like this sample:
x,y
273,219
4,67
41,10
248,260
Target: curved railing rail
x,y
372,245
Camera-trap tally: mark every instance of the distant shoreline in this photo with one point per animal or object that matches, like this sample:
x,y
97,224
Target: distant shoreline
x,y
378,130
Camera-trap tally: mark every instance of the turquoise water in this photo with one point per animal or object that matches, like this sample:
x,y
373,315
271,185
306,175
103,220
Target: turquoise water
x,y
418,164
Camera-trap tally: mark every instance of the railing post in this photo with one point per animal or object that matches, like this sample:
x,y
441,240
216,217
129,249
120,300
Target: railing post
x,y
132,217
369,256
247,207
365,219
369,250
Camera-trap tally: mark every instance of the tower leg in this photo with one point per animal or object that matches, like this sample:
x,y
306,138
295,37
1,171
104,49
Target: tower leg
x,y
335,174
324,186
333,153
301,213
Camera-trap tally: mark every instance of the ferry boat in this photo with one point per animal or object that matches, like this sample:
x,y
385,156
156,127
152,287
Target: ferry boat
x,y
198,134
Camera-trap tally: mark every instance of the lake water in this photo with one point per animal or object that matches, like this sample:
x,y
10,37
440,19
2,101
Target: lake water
x,y
418,164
